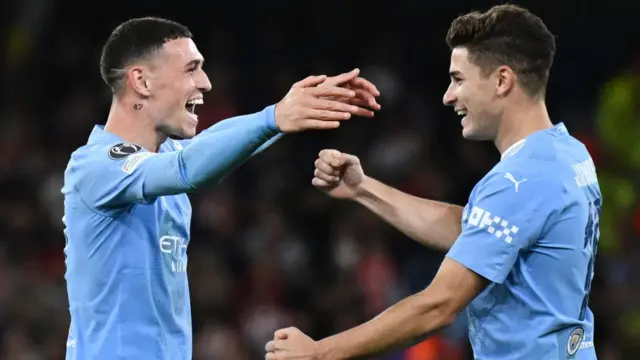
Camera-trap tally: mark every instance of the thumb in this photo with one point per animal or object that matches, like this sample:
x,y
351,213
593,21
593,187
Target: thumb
x,y
282,334
345,159
310,81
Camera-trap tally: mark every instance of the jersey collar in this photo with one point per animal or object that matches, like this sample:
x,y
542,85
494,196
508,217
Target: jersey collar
x,y
557,130
99,135
511,150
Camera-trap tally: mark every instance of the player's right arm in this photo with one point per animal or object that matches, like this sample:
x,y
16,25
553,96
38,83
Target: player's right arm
x,y
365,93
107,182
432,223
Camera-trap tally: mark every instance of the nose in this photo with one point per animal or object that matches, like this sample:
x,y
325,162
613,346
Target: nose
x,y
203,83
449,97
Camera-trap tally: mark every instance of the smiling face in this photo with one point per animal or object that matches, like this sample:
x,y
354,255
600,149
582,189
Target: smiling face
x,y
475,96
175,84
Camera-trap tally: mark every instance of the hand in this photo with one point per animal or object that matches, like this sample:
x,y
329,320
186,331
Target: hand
x,y
338,174
309,107
290,344
366,92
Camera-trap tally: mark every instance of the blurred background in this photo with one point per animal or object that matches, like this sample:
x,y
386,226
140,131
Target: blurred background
x,y
268,250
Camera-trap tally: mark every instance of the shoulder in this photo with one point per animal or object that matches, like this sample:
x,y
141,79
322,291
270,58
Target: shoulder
x,y
522,178
103,160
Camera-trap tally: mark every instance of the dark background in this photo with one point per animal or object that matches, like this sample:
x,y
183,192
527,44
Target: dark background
x,y
268,250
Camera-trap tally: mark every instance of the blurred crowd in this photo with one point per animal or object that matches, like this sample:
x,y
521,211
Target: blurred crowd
x,y
268,250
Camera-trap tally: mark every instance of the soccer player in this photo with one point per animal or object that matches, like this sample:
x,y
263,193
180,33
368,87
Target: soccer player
x,y
521,253
127,213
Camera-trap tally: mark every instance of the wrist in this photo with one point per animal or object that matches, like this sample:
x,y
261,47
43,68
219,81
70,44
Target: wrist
x,y
363,189
273,121
324,350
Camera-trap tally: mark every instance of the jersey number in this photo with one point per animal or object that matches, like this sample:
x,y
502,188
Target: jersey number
x,y
591,238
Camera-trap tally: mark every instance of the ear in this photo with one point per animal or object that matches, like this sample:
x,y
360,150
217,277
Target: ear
x,y
138,78
505,80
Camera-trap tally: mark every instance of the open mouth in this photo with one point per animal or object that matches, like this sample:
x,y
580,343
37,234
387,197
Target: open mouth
x,y
461,112
191,105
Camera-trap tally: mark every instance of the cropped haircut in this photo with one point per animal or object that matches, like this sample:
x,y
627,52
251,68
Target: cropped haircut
x,y
136,40
507,35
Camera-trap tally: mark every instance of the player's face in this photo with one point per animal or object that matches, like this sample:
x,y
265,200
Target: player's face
x,y
178,84
473,96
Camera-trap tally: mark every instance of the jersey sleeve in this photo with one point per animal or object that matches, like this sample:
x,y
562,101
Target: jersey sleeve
x,y
231,123
106,182
505,215
111,176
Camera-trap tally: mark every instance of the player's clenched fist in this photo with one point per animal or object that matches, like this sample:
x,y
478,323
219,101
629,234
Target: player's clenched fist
x,y
292,344
308,106
338,174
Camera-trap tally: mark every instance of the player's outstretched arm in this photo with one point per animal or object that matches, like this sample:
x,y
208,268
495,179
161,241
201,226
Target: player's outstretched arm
x,y
432,223
142,176
419,315
365,99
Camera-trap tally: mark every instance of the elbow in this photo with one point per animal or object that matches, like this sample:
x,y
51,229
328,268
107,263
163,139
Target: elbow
x,y
437,314
443,317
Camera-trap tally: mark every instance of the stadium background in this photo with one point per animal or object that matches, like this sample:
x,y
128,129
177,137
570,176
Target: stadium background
x,y
267,249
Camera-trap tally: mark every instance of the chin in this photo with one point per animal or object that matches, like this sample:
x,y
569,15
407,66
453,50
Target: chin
x,y
470,134
188,133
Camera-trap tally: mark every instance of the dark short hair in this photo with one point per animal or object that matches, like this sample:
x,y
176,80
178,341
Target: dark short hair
x,y
135,40
507,35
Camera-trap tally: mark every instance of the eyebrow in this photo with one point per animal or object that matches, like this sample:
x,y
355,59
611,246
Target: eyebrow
x,y
194,63
455,73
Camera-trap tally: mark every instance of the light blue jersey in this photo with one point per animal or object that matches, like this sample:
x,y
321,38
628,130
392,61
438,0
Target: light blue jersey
x,y
531,228
127,220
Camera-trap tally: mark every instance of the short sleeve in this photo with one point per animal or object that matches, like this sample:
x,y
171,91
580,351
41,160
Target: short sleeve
x,y
505,215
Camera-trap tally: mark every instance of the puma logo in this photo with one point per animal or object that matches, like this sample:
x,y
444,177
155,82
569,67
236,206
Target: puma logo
x,y
510,177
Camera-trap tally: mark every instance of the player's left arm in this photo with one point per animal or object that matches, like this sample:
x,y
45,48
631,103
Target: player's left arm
x,y
501,222
421,314
365,91
229,124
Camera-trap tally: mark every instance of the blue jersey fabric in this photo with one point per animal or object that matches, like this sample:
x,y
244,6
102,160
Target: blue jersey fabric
x,y
127,226
531,228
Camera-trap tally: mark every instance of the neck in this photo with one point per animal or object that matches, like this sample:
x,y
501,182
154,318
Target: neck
x,y
133,126
520,121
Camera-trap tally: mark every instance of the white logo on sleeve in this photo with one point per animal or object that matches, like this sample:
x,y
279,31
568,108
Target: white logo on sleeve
x,y
133,161
494,224
510,177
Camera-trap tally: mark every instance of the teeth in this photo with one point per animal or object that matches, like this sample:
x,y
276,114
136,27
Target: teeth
x,y
461,112
195,102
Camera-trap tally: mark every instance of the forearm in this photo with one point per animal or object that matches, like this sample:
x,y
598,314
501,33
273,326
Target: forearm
x,y
432,223
233,122
208,159
398,326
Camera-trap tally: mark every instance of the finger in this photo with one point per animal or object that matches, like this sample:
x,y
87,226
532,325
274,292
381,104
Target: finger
x,y
323,91
328,154
368,97
363,111
270,346
326,115
310,81
320,183
326,168
342,78
275,345
326,177
313,124
270,356
363,103
363,83
283,334
336,158
324,104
